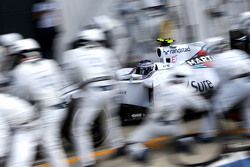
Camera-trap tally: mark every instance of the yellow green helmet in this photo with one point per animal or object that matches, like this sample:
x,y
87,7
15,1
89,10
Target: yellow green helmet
x,y
165,42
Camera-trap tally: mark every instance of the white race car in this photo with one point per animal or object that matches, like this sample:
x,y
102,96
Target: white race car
x,y
137,84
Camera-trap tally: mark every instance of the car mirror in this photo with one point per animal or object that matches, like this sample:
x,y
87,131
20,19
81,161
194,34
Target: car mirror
x,y
136,76
125,77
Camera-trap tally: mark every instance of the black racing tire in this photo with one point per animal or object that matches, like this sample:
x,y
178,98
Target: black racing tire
x,y
98,132
193,160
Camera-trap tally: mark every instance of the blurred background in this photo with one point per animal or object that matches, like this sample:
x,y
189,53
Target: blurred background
x,y
131,27
185,21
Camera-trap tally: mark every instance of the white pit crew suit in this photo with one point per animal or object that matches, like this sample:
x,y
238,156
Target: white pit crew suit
x,y
93,69
233,68
41,81
6,63
18,124
165,117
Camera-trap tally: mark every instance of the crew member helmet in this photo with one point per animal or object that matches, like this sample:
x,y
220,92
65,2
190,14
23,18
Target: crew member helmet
x,y
25,47
7,40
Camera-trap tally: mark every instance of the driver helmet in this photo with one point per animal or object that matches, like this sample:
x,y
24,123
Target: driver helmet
x,y
145,67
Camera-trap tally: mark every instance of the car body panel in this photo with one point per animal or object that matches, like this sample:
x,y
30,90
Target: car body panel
x,y
136,91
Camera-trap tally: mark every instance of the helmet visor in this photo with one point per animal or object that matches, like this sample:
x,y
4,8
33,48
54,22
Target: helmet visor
x,y
144,70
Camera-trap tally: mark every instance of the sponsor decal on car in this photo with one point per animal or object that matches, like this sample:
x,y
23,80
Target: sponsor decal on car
x,y
204,61
174,59
138,115
175,50
202,86
123,92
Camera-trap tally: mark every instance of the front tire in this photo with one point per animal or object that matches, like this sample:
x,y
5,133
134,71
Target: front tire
x,y
97,131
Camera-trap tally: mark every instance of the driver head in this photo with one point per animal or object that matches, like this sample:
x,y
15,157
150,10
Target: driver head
x,y
145,67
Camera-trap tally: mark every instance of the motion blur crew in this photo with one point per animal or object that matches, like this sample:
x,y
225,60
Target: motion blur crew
x,y
171,100
18,127
6,60
92,67
233,68
41,81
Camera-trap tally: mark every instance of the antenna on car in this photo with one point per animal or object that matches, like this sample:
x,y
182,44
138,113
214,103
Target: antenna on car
x,y
165,42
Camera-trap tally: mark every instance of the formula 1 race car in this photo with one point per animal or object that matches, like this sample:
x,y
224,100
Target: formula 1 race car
x,y
137,84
